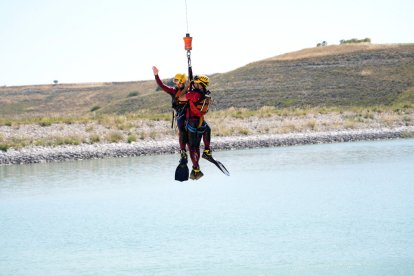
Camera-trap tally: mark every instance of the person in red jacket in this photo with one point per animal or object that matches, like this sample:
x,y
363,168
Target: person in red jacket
x,y
198,98
179,106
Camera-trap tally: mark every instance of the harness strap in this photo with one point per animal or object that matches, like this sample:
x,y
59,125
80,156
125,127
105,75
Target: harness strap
x,y
195,130
200,123
204,103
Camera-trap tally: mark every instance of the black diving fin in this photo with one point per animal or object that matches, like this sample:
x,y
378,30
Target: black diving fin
x,y
217,163
182,172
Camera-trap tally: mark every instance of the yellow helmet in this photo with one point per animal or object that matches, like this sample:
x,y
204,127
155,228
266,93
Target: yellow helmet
x,y
202,79
181,78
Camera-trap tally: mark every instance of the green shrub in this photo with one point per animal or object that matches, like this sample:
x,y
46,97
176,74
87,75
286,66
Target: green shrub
x,y
132,138
133,94
96,107
4,147
68,140
45,122
94,139
354,40
40,143
244,131
115,136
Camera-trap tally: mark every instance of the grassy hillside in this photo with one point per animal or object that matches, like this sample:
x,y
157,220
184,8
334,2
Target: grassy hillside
x,y
331,76
345,75
79,99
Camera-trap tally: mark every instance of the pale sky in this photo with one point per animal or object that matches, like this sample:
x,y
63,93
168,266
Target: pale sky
x,y
78,41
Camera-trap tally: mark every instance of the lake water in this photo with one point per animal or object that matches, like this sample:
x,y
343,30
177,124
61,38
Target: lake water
x,y
335,209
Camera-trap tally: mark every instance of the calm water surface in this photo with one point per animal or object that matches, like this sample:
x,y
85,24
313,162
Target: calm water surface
x,y
336,209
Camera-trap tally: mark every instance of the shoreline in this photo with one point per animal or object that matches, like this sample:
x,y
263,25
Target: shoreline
x,y
30,155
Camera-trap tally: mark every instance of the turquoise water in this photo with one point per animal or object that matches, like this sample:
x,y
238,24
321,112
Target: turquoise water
x,y
335,209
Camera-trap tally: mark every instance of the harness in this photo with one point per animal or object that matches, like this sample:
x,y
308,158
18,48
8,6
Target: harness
x,y
199,129
178,106
175,103
200,108
203,104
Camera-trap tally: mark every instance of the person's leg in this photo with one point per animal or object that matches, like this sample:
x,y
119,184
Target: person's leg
x,y
207,136
194,149
206,140
194,140
182,132
182,138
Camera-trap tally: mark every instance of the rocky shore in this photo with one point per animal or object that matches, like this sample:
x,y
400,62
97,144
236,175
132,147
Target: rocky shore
x,y
169,145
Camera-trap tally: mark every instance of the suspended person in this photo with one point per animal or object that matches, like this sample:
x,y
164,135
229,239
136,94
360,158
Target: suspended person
x,y
179,108
198,98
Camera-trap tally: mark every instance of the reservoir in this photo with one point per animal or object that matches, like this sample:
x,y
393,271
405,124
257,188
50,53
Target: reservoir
x,y
328,209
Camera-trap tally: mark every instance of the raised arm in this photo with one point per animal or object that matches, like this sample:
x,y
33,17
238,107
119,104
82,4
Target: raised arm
x,y
170,90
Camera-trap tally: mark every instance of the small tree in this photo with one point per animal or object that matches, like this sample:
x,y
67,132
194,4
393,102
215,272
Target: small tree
x,y
355,40
323,43
55,81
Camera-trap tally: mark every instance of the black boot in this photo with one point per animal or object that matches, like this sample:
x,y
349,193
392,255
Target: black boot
x,y
196,174
207,154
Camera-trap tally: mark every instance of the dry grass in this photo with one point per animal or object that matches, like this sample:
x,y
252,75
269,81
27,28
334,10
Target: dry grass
x,y
238,122
332,50
115,137
231,122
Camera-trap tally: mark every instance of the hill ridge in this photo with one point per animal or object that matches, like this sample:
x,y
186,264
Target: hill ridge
x,y
333,50
336,75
